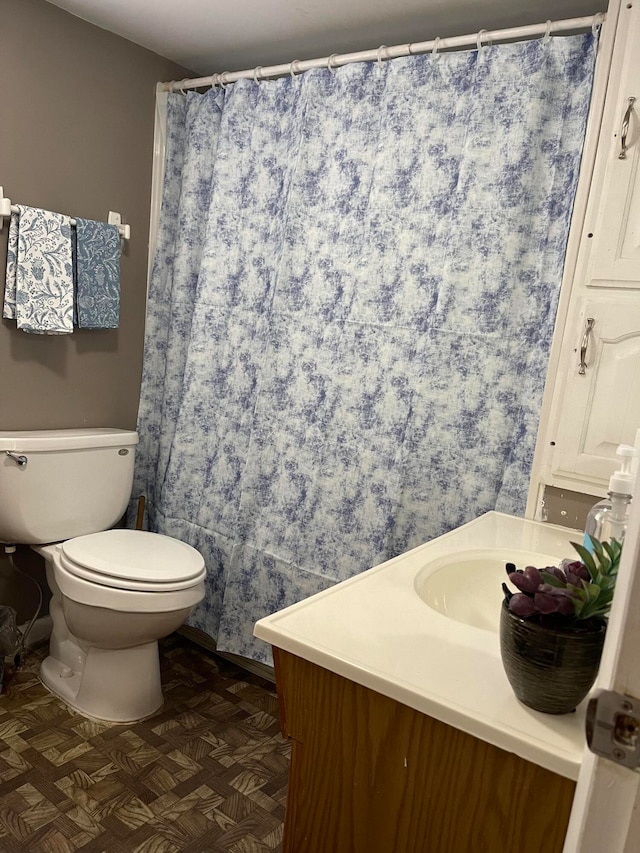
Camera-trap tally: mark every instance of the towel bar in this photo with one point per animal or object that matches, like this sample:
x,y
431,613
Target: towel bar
x,y
6,209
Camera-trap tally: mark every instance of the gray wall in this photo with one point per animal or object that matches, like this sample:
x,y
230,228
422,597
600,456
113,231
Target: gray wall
x,y
76,136
77,108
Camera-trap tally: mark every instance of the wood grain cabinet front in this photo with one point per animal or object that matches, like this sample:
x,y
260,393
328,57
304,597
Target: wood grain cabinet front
x,y
370,775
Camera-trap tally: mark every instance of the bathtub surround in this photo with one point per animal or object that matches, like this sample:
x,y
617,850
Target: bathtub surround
x,y
350,312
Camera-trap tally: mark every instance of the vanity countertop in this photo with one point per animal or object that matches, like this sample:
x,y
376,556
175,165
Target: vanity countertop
x,y
375,630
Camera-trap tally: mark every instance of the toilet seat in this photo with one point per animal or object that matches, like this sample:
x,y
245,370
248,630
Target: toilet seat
x,y
133,560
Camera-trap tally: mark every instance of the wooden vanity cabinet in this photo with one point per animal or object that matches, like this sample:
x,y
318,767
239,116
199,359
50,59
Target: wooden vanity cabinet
x,y
370,775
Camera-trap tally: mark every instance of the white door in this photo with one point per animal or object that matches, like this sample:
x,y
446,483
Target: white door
x,y
606,810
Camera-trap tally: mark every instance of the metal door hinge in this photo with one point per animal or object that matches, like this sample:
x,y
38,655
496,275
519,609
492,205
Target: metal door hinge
x,y
613,727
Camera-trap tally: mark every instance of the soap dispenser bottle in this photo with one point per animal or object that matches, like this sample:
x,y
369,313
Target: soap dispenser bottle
x,y
608,518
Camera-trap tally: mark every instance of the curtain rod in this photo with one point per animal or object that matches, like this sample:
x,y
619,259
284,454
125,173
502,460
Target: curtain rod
x,y
383,52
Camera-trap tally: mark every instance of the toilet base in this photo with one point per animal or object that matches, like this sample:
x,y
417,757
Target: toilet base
x,y
115,685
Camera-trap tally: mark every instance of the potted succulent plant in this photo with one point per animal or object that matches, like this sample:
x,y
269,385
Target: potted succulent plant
x,y
552,629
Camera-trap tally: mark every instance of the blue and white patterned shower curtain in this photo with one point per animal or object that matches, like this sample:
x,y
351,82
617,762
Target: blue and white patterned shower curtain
x,y
350,313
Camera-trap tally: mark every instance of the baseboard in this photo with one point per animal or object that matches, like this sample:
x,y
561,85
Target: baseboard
x,y
253,666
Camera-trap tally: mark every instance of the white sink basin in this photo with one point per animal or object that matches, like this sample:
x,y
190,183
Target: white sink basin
x,y
467,585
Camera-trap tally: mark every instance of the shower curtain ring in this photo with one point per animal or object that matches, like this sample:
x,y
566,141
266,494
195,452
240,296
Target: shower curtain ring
x,y
598,20
222,80
479,39
330,64
381,56
293,67
546,38
257,71
436,45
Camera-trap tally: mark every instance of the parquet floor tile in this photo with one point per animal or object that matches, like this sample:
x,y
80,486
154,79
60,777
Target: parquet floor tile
x,y
206,774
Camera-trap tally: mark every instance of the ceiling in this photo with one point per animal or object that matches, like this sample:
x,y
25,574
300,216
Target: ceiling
x,y
209,36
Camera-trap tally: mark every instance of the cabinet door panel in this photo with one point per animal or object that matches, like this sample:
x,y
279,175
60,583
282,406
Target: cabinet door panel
x,y
616,251
601,409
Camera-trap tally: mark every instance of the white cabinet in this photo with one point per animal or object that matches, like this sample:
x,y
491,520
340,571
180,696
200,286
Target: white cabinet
x,y
589,412
614,259
600,408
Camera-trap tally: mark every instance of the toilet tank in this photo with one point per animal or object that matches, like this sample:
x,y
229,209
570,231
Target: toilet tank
x,y
74,481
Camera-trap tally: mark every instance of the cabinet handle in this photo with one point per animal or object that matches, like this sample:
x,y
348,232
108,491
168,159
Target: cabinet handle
x,y
585,344
624,130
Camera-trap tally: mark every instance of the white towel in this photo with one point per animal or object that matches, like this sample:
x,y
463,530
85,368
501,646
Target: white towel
x,y
39,283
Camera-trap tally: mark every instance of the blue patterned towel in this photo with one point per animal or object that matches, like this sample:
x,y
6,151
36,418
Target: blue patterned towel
x,y
98,274
39,282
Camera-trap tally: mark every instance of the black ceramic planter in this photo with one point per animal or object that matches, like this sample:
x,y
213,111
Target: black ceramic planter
x,y
549,669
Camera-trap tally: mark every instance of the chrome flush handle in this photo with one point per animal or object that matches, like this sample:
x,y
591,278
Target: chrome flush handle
x,y
585,344
18,458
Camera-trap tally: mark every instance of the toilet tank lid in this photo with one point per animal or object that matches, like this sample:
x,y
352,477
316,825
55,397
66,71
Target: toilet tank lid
x,y
66,439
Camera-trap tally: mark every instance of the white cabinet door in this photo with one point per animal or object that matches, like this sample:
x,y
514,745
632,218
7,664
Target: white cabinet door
x,y
600,408
615,256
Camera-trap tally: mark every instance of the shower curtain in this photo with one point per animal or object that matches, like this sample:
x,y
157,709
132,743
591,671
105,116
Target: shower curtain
x,y
350,312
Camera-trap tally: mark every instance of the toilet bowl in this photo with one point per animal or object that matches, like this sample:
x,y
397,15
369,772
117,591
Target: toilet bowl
x,y
115,592
114,595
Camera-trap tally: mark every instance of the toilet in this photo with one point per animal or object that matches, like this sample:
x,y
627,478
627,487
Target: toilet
x,y
115,592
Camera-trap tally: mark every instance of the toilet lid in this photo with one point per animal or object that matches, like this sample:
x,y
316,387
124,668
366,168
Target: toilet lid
x,y
133,559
